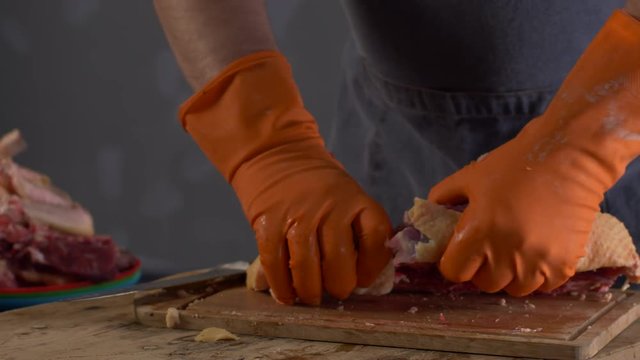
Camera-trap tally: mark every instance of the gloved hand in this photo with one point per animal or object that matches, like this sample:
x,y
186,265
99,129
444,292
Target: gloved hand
x,y
532,201
315,227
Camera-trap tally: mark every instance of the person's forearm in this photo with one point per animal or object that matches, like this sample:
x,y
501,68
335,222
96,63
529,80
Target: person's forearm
x,y
207,35
633,8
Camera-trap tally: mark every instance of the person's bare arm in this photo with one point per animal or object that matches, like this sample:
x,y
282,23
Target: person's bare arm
x,y
207,35
633,8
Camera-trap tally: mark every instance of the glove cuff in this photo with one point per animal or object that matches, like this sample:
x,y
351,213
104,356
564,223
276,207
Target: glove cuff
x,y
251,107
206,95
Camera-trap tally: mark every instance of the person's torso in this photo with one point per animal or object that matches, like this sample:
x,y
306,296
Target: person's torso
x,y
475,45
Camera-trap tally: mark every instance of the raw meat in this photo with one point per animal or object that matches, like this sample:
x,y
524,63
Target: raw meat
x,y
419,245
45,237
42,201
28,247
425,278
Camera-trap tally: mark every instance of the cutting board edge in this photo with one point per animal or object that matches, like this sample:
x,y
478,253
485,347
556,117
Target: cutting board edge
x,y
584,346
190,321
620,317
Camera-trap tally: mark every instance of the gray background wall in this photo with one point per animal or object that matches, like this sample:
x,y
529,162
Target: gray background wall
x,y
95,89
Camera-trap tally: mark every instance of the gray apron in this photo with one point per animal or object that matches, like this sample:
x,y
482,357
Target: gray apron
x,y
408,117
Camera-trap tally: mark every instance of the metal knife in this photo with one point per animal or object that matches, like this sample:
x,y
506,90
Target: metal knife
x,y
208,274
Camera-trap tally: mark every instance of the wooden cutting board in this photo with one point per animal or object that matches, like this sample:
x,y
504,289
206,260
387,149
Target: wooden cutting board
x,y
566,327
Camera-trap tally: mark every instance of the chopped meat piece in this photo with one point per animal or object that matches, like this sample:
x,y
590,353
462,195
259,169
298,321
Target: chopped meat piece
x,y
172,318
256,279
73,220
69,257
213,334
34,186
88,257
125,260
42,201
46,238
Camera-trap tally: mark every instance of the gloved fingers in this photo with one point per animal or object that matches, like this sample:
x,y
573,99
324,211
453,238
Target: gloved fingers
x,y
459,270
523,287
372,229
464,254
557,276
451,190
338,255
274,257
565,260
528,276
491,278
304,263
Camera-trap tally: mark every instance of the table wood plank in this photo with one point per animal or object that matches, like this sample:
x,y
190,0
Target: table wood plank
x,y
106,329
562,327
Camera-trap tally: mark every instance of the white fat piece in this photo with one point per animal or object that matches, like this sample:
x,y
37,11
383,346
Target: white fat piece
x,y
12,144
437,223
383,283
213,334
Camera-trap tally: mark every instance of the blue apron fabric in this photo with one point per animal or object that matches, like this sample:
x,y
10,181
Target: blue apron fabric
x,y
475,45
398,138
398,141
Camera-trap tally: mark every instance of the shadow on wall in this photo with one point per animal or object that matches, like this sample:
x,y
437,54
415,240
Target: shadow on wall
x,y
95,89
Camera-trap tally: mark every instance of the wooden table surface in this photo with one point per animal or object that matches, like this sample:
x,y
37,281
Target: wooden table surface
x,y
106,329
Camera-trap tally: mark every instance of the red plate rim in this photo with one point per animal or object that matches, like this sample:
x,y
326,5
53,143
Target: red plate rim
x,y
74,285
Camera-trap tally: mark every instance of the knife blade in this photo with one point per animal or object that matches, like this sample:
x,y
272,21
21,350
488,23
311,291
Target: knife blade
x,y
208,274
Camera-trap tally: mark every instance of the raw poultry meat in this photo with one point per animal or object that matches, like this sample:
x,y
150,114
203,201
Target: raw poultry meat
x,y
419,245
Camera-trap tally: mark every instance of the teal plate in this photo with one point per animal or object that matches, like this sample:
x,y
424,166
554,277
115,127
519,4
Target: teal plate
x,y
12,298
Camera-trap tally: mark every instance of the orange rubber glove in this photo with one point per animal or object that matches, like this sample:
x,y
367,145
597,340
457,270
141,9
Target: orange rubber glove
x,y
315,227
532,201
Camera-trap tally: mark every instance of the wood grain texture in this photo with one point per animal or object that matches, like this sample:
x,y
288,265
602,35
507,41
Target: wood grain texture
x,y
106,329
542,327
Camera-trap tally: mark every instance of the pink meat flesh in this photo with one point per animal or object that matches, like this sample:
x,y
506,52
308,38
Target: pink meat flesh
x,y
425,278
26,247
412,276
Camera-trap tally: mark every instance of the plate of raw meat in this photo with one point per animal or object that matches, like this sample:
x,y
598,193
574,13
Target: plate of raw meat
x,y
48,248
